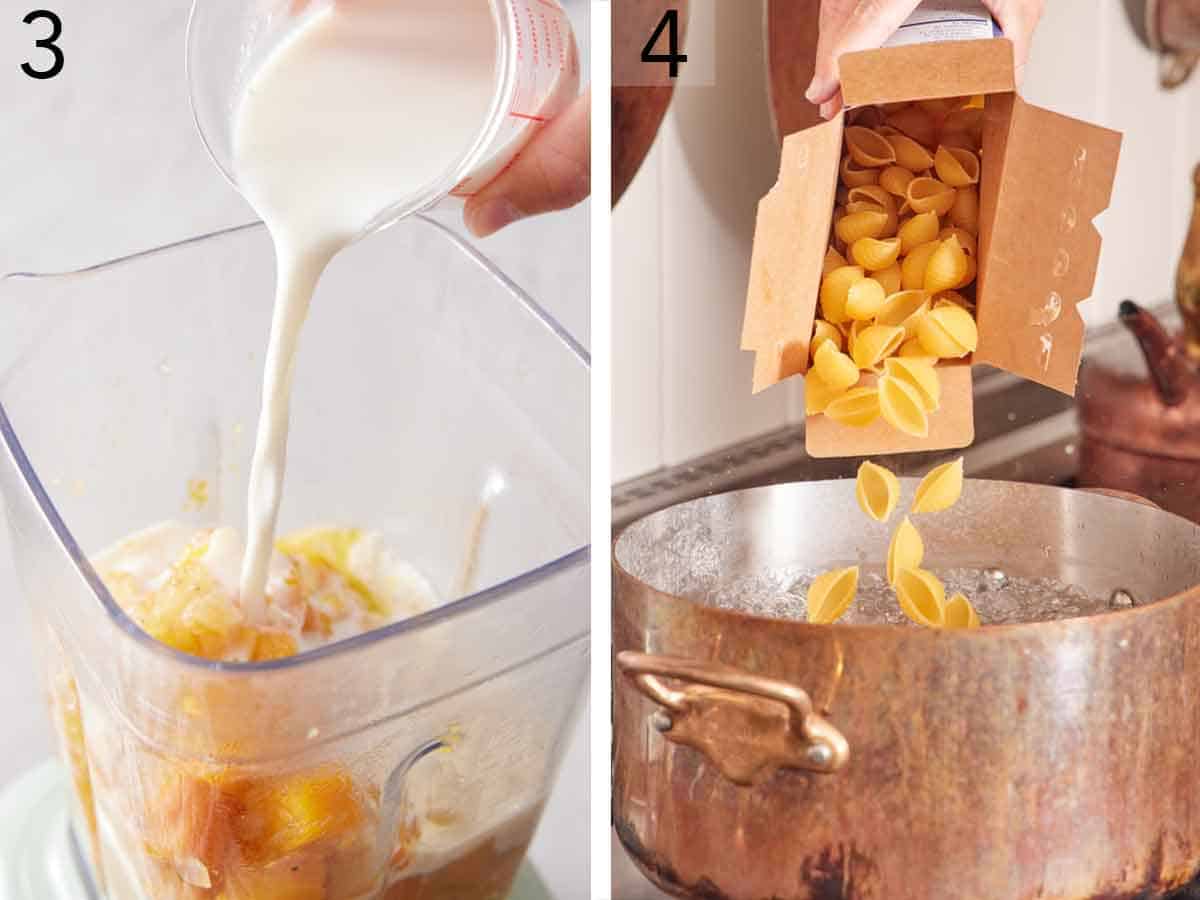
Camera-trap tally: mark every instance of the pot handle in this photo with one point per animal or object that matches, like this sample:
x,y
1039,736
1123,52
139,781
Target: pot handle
x,y
749,726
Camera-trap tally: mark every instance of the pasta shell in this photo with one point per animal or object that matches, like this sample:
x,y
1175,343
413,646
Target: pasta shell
x,y
956,167
919,375
965,239
909,153
930,195
904,309
835,368
858,407
869,148
856,226
922,597
874,198
940,489
916,123
948,332
912,349
830,595
913,266
965,211
852,331
817,394
877,491
854,175
865,299
968,121
833,260
873,254
906,551
920,229
889,278
895,179
834,289
876,343
947,267
822,332
960,613
901,407
954,298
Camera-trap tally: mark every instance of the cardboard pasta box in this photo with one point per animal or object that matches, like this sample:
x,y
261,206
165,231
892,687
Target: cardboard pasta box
x,y
1042,179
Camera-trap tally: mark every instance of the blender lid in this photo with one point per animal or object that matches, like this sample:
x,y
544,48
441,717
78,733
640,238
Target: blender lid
x,y
40,858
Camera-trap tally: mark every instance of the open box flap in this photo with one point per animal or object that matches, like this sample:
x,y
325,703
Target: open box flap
x,y
926,71
951,427
790,239
1046,176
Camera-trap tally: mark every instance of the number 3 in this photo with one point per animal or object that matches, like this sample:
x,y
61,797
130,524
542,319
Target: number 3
x,y
46,43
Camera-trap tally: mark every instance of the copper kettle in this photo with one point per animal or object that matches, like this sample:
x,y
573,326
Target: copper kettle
x,y
1142,434
1172,29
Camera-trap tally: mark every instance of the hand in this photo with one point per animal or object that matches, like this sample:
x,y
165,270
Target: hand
x,y
553,172
851,25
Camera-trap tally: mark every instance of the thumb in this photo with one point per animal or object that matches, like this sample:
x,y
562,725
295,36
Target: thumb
x,y
864,25
553,172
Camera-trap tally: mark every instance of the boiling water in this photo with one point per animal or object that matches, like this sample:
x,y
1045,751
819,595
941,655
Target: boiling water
x,y
997,598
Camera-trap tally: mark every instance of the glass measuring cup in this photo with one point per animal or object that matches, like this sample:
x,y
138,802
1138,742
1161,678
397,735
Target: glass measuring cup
x,y
537,76
431,744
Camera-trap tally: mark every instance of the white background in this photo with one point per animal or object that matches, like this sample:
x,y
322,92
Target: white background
x,y
684,229
103,160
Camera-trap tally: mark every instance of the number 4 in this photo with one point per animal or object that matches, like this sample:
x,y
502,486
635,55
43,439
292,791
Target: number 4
x,y
673,56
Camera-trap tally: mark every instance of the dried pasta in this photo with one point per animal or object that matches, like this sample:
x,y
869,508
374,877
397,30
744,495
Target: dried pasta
x,y
922,597
918,374
864,300
901,407
940,489
831,594
858,407
869,148
906,550
877,491
896,294
835,368
960,613
949,332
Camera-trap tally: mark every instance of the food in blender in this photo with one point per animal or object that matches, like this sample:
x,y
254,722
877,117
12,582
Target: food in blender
x,y
257,832
897,284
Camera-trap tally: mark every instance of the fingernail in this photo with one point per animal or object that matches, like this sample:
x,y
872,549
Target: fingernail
x,y
488,218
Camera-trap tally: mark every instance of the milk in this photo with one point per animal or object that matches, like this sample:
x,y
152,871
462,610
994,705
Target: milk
x,y
366,103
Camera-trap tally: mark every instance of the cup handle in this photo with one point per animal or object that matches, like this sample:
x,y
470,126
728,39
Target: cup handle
x,y
749,726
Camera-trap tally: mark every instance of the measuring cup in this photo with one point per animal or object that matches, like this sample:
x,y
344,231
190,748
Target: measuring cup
x,y
417,757
536,77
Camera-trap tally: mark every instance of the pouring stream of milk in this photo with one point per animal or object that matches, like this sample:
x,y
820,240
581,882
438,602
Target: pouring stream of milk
x,y
366,103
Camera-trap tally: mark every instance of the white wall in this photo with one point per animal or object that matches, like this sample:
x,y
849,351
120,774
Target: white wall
x,y
682,234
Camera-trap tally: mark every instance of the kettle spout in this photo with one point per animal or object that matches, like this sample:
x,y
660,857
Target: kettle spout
x,y
1164,356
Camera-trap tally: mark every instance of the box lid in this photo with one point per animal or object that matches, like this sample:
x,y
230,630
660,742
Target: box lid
x,y
785,270
926,71
1046,177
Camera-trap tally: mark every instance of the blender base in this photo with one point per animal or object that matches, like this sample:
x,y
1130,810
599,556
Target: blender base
x,y
41,860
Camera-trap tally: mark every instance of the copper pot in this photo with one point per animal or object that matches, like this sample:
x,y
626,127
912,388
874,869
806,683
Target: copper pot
x,y
760,757
1172,29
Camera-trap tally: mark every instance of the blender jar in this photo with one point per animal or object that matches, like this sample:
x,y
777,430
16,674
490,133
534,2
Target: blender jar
x,y
434,403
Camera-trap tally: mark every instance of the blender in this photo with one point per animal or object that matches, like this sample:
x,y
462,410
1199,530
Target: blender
x,y
435,403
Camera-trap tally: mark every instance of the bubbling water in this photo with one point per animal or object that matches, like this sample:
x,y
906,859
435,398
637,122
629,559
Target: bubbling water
x,y
998,599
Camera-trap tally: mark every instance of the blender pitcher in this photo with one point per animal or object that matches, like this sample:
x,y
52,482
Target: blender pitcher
x,y
434,403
